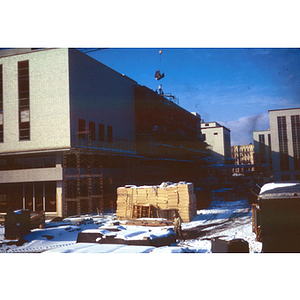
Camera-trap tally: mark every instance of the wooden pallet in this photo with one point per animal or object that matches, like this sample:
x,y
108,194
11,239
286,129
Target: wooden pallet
x,y
154,223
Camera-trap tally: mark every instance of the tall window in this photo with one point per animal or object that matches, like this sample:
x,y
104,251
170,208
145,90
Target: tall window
x,y
270,152
283,144
109,133
81,129
101,132
92,129
24,116
262,148
295,120
1,105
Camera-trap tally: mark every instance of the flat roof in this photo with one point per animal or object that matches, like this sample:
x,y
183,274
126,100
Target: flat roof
x,y
280,190
284,109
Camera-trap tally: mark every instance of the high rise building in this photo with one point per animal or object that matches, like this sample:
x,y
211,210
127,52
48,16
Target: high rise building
x,y
285,143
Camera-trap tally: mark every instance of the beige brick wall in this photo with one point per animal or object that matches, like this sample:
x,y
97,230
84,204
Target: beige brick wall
x,y
49,101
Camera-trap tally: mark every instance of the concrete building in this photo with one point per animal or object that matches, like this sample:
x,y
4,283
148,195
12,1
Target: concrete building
x,y
263,153
285,143
243,155
218,139
47,96
72,130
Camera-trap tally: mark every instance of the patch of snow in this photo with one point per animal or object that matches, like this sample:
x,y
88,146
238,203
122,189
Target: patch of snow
x,y
274,185
211,220
102,248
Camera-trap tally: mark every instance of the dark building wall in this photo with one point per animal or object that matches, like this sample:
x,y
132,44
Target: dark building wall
x,y
100,95
163,128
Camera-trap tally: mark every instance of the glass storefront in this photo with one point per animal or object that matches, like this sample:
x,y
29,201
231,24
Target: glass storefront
x,y
35,196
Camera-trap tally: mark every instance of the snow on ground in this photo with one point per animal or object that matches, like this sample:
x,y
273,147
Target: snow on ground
x,y
231,219
214,217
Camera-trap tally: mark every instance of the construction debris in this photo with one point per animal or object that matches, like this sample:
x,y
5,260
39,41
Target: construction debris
x,y
157,201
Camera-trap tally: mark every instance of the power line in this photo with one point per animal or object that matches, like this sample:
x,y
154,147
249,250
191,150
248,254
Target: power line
x,y
88,50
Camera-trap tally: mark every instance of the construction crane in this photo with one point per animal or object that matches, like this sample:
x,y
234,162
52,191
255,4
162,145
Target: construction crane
x,y
158,75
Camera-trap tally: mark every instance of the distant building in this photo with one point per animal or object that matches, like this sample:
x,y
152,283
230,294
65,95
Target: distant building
x,y
218,139
243,155
263,153
285,143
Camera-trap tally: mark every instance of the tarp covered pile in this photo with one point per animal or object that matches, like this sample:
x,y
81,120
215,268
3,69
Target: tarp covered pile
x,y
178,196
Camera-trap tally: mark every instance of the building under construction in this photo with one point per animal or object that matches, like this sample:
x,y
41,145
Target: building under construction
x,y
72,130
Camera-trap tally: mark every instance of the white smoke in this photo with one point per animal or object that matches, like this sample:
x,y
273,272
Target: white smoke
x,y
242,129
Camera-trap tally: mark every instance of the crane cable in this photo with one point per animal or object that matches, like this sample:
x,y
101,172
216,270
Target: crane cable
x,y
158,75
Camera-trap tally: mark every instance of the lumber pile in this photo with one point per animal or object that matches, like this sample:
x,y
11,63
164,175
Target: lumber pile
x,y
165,197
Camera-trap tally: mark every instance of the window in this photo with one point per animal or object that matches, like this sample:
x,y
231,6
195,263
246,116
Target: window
x,y
50,161
50,196
3,164
215,133
81,129
109,133
38,162
28,196
38,196
1,105
285,178
101,132
92,129
24,115
283,145
295,121
28,163
262,148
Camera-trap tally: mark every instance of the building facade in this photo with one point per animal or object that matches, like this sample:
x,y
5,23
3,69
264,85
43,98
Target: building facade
x,y
263,153
46,97
218,139
285,143
243,155
72,130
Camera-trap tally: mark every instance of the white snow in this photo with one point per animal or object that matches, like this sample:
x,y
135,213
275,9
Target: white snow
x,y
236,214
274,185
118,274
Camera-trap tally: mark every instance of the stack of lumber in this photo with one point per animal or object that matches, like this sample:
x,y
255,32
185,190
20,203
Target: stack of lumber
x,y
173,196
187,204
162,198
179,196
123,196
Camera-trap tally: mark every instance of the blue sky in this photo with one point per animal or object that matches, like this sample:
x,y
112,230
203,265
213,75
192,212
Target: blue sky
x,y
206,57
233,86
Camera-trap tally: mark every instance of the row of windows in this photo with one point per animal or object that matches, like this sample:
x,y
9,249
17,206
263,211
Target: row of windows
x,y
23,91
24,115
283,141
102,135
35,196
288,177
1,105
295,120
26,162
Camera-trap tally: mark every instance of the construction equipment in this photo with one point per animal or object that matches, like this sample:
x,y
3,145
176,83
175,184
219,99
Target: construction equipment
x,y
158,74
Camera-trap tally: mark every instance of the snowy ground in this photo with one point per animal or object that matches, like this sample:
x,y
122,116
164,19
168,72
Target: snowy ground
x,y
123,271
231,219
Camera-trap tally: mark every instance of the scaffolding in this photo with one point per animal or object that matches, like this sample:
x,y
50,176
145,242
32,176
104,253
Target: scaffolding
x,y
79,156
91,172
